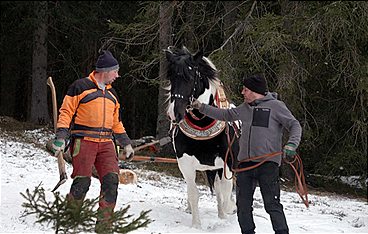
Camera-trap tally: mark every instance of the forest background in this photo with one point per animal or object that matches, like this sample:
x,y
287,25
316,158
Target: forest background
x,y
313,54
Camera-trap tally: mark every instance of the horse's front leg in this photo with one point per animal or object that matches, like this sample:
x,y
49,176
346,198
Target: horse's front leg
x,y
193,198
223,189
228,184
220,196
189,175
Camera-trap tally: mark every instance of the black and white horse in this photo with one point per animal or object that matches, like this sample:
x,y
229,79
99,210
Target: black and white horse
x,y
200,142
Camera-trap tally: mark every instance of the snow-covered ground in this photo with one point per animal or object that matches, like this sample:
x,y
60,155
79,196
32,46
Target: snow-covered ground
x,y
26,165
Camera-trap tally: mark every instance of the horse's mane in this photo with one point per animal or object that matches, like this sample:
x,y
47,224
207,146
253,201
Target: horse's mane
x,y
184,61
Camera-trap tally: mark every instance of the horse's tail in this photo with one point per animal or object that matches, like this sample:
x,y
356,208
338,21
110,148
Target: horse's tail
x,y
211,175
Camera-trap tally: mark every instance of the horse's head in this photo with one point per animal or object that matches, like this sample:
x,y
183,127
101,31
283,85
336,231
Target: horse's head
x,y
191,76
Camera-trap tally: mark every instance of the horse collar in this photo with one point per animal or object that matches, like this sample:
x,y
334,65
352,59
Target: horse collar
x,y
212,129
198,133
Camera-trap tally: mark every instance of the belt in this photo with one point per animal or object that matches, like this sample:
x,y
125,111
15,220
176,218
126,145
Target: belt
x,y
102,134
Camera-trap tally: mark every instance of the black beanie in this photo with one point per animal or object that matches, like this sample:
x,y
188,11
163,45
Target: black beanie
x,y
256,83
106,62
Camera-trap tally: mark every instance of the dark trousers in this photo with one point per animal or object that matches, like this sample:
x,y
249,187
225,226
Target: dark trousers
x,y
267,176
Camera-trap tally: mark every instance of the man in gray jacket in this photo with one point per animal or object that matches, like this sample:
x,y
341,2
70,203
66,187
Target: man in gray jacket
x,y
263,120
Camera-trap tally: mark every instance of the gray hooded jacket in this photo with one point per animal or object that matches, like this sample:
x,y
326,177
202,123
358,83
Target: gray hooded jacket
x,y
263,124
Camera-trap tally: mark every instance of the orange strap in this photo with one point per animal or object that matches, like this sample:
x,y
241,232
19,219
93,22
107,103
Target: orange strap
x,y
300,185
296,165
151,159
264,157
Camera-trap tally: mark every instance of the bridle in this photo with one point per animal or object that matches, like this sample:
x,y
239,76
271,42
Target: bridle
x,y
197,75
190,98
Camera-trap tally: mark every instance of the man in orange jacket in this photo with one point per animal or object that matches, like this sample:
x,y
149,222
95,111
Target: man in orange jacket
x,y
90,113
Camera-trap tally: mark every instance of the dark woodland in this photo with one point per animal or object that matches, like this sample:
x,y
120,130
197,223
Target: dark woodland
x,y
314,54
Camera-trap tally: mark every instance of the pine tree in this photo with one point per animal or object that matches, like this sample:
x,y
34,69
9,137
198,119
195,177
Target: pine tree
x,y
71,217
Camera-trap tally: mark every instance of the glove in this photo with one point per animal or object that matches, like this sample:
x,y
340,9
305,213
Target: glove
x,y
129,152
289,151
196,104
58,145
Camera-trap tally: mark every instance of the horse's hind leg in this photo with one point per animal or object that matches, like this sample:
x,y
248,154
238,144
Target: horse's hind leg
x,y
189,175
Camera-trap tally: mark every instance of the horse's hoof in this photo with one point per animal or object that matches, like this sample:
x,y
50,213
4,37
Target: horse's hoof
x,y
197,225
231,209
231,212
222,216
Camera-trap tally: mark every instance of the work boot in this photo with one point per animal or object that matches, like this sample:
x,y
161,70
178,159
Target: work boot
x,y
104,223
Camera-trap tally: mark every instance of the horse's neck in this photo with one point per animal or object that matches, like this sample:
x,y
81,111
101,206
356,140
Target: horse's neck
x,y
212,97
197,123
216,91
205,97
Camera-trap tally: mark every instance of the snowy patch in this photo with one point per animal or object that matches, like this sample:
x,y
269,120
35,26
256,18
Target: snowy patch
x,y
26,165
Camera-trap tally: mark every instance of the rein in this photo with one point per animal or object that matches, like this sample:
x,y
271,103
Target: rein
x,y
296,165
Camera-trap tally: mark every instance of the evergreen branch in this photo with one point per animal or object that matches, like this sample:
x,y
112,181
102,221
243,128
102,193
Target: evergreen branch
x,y
70,216
236,31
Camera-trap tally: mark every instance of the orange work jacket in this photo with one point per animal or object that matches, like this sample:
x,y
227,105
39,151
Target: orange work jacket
x,y
91,112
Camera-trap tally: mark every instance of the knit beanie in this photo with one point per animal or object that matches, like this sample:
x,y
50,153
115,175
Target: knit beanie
x,y
106,62
256,83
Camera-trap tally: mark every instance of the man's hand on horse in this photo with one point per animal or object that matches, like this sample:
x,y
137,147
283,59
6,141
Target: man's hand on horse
x,y
196,104
129,152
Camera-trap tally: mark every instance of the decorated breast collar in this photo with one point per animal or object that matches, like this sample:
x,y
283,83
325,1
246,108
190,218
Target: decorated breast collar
x,y
211,130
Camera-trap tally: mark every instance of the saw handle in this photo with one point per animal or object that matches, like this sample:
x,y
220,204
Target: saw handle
x,y
62,171
59,154
54,103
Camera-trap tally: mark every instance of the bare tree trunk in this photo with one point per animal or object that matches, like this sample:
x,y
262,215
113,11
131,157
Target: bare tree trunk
x,y
38,113
190,39
230,18
228,73
288,72
166,10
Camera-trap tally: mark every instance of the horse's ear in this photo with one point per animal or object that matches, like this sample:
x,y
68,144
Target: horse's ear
x,y
185,49
169,56
198,56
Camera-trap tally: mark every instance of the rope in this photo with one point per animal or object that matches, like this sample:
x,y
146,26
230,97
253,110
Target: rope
x,y
264,157
300,185
296,165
